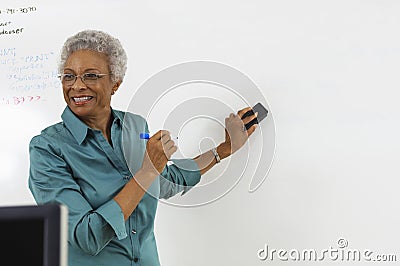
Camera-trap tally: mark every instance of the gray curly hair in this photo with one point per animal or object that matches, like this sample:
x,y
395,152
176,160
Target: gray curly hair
x,y
97,41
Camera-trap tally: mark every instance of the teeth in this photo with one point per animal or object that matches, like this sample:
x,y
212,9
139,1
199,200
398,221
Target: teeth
x,y
82,99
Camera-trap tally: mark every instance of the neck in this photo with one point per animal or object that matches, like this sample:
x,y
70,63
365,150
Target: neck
x,y
102,123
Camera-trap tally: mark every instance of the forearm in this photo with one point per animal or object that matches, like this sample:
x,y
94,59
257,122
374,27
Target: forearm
x,y
207,160
129,197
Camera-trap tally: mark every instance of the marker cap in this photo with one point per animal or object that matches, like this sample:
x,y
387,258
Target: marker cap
x,y
144,135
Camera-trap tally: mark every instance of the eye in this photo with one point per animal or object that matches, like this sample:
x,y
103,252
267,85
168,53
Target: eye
x,y
90,76
68,77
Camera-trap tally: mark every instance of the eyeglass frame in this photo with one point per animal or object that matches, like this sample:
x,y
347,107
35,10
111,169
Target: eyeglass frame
x,y
98,76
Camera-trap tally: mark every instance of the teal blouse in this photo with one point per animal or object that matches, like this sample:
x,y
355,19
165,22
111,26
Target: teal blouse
x,y
74,165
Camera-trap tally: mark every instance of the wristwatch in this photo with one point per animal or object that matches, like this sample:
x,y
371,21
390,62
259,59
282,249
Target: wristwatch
x,y
216,155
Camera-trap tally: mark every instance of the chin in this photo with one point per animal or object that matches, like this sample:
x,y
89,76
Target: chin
x,y
80,111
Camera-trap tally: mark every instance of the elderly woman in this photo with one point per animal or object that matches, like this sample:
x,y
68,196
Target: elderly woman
x,y
80,161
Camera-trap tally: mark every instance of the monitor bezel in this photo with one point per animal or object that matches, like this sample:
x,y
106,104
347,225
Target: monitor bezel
x,y
55,223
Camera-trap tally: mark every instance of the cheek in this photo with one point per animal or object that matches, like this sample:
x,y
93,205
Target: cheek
x,y
106,91
65,93
107,97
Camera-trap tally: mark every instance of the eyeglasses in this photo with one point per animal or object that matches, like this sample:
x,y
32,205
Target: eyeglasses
x,y
87,78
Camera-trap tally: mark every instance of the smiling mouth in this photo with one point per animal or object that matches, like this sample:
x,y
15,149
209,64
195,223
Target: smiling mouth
x,y
81,100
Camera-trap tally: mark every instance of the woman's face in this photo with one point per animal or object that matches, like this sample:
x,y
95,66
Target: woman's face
x,y
89,101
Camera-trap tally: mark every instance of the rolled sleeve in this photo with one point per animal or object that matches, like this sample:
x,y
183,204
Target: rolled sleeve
x,y
113,215
181,176
51,181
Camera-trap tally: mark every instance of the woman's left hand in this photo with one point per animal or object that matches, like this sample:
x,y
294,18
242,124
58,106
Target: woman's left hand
x,y
236,134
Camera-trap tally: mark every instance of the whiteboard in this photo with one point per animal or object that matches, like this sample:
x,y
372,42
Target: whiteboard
x,y
327,70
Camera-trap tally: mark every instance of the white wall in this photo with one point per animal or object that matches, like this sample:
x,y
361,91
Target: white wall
x,y
328,71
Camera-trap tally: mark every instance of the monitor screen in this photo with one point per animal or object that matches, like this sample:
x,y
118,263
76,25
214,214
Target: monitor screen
x,y
34,235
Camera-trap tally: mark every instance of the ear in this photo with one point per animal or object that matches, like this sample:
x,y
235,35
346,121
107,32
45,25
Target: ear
x,y
116,86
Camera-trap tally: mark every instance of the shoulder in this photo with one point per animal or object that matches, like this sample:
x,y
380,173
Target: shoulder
x,y
131,120
53,130
127,115
49,136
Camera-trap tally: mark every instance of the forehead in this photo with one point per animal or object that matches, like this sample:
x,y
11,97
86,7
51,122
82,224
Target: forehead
x,y
87,59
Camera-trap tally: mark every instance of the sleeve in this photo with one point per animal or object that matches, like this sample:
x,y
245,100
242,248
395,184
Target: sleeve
x,y
50,181
180,176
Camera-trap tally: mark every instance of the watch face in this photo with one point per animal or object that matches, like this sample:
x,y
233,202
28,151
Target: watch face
x,y
216,155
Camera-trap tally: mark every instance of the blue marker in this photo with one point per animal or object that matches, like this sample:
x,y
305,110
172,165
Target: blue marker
x,y
144,135
147,136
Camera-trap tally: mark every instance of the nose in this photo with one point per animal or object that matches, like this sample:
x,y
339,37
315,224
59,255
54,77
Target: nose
x,y
78,84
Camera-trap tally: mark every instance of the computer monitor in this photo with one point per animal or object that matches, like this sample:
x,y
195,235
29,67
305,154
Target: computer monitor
x,y
34,235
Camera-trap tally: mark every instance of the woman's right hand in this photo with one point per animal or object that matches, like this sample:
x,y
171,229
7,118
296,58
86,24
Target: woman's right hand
x,y
159,149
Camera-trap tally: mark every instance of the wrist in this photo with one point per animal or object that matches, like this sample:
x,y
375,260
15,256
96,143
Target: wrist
x,y
224,150
147,173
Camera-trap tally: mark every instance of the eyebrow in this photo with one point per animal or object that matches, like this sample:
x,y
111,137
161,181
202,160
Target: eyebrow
x,y
85,71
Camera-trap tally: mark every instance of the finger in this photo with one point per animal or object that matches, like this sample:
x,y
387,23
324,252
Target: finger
x,y
165,136
156,136
171,151
243,111
252,129
249,118
167,145
164,133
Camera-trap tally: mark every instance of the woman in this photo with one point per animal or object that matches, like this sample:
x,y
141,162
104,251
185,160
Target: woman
x,y
80,161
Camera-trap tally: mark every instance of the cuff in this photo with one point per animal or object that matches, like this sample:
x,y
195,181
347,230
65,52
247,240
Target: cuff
x,y
191,172
112,214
